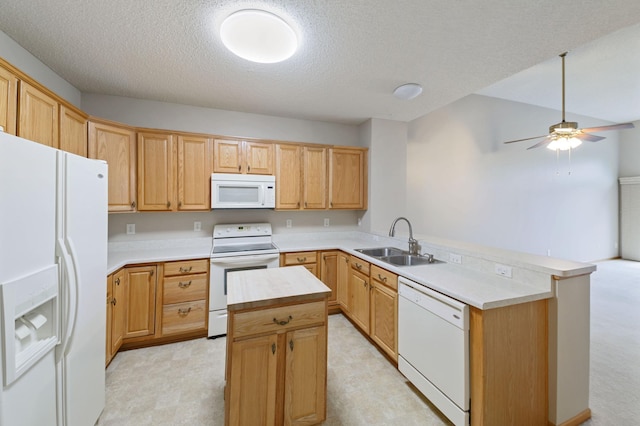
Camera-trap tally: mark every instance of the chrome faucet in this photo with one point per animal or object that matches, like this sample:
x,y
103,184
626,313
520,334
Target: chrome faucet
x,y
413,244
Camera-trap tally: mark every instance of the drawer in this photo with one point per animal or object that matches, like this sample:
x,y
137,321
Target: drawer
x,y
300,258
184,317
186,267
278,319
184,289
385,277
360,265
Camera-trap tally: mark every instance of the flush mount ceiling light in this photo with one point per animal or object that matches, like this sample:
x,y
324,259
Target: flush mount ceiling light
x,y
258,36
407,91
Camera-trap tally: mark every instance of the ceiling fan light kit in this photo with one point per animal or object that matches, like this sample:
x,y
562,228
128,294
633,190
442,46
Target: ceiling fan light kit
x,y
566,134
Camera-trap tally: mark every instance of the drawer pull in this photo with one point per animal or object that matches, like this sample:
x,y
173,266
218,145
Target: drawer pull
x,y
184,312
302,259
358,266
184,285
283,322
186,269
381,278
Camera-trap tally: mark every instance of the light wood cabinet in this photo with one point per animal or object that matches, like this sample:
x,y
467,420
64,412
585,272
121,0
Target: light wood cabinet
x,y
140,297
301,177
184,297
37,116
384,310
309,259
116,312
239,156
359,299
347,178
277,375
73,131
288,177
329,273
156,172
8,100
117,146
194,173
343,273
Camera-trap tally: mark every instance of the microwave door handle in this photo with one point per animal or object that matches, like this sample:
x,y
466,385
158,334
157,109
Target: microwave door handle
x,y
262,195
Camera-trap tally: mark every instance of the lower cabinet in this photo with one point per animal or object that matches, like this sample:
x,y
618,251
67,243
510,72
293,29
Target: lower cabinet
x,y
277,377
329,273
163,302
358,293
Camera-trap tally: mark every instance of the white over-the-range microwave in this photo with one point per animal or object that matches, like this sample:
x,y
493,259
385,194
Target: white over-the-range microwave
x,y
235,191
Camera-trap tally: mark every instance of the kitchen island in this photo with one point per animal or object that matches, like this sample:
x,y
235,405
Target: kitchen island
x,y
276,362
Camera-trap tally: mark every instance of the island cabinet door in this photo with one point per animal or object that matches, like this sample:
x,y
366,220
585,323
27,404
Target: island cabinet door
x,y
306,376
252,399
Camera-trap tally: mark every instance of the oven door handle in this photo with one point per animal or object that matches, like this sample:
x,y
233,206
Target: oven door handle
x,y
244,260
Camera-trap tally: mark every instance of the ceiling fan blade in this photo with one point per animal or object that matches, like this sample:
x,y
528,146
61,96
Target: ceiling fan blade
x,y
543,142
589,138
526,139
611,127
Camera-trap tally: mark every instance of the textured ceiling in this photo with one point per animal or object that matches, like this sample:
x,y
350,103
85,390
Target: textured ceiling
x,y
352,55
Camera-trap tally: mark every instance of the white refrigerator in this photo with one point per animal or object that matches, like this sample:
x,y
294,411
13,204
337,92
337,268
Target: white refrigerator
x,y
53,260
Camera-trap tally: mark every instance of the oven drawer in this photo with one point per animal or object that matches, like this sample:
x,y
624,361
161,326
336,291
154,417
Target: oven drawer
x,y
184,289
184,317
278,319
186,267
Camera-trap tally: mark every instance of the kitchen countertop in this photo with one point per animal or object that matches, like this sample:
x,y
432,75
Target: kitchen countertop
x,y
475,285
264,287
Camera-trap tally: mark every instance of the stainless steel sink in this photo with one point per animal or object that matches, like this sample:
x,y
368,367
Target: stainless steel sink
x,y
381,251
409,260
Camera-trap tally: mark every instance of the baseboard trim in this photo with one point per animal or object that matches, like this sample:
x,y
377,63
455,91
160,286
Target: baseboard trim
x,y
579,418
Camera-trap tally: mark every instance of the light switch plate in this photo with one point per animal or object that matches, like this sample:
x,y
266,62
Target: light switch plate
x,y
503,270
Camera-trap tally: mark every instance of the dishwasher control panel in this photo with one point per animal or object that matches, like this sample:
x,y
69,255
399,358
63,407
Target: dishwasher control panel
x,y
450,310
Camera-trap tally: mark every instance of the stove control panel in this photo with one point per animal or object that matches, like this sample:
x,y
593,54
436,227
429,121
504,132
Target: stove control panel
x,y
242,230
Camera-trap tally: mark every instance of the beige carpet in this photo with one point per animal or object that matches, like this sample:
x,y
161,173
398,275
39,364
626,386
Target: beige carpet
x,y
182,383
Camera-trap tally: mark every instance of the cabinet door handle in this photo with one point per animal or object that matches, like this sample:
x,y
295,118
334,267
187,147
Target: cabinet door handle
x,y
117,281
381,278
291,344
305,204
168,204
365,284
184,285
151,272
114,301
273,348
302,259
283,322
133,205
239,167
298,204
248,168
186,269
179,203
184,312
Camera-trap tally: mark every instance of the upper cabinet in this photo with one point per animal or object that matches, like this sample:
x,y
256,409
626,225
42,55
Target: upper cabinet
x,y
238,156
288,177
174,172
314,180
37,116
347,178
194,173
8,100
73,131
117,146
156,172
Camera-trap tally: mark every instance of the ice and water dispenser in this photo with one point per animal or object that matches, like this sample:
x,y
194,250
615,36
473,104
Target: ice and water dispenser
x,y
30,320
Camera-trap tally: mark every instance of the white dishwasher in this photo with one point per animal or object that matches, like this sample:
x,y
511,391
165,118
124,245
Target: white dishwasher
x,y
433,347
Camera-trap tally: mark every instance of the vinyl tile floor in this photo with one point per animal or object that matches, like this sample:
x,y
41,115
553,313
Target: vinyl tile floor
x,y
183,383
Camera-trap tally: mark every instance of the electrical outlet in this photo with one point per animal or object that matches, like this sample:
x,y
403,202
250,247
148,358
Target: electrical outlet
x,y
289,223
503,270
359,222
197,226
455,258
131,228
326,222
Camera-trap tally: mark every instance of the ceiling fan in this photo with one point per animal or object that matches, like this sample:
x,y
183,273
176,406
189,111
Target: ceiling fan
x,y
566,134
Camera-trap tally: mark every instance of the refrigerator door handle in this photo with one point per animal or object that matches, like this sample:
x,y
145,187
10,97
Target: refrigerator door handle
x,y
71,290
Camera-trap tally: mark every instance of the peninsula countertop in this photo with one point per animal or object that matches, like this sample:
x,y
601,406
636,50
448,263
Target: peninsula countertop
x,y
265,287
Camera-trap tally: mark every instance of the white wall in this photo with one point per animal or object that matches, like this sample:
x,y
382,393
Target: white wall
x,y
464,184
387,142
630,151
169,116
13,53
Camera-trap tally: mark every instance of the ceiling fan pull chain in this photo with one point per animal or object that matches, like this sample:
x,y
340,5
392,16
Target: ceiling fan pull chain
x,y
569,172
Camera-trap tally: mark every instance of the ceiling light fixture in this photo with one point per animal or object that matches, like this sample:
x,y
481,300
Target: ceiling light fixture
x,y
258,36
407,91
